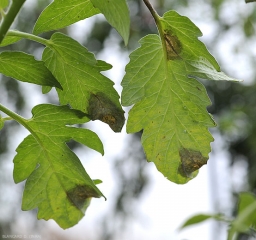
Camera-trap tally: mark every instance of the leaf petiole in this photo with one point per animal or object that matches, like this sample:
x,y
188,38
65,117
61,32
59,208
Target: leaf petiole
x,y
29,36
13,116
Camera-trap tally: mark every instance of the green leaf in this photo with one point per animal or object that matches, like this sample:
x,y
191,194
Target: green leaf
x,y
170,104
200,218
9,39
246,217
56,182
4,4
60,14
25,68
84,87
117,14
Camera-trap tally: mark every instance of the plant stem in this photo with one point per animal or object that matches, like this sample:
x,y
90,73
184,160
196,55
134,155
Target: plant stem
x,y
14,116
9,17
28,36
157,19
248,1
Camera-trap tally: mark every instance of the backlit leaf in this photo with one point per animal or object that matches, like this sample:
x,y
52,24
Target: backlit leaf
x,y
84,87
117,14
62,13
26,68
57,183
170,104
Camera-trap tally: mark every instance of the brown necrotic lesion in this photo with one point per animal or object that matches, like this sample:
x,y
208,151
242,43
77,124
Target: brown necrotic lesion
x,y
191,161
173,46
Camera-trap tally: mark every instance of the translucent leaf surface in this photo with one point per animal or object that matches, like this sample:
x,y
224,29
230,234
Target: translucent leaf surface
x,y
56,182
84,87
170,104
117,14
26,68
60,14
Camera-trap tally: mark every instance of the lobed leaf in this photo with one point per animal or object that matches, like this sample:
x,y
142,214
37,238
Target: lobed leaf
x,y
117,14
170,104
26,68
60,14
84,87
56,182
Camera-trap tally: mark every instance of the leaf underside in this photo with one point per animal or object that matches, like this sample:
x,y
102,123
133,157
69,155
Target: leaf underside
x,y
56,182
169,103
60,14
26,68
84,87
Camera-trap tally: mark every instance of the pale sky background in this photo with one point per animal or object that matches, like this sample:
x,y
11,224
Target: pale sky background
x,y
164,205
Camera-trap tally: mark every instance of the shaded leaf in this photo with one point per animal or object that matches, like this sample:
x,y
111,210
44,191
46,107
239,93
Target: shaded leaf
x,y
170,104
117,14
246,217
57,182
60,14
26,68
84,87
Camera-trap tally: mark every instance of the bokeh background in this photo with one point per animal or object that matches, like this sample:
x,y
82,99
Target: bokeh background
x,y
141,203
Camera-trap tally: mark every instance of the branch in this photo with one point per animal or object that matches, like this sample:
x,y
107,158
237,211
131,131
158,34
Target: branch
x,y
9,17
248,1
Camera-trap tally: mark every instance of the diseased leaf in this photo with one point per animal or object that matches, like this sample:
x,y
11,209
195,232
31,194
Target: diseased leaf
x,y
62,13
117,14
57,183
84,87
26,68
170,104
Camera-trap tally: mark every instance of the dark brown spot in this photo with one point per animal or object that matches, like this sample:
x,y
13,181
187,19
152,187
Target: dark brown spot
x,y
80,195
173,46
190,161
103,109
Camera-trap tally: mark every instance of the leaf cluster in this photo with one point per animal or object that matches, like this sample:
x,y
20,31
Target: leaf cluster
x,y
161,82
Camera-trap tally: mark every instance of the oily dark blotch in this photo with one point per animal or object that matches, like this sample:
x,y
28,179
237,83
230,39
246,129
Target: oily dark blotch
x,y
190,161
173,46
103,109
80,195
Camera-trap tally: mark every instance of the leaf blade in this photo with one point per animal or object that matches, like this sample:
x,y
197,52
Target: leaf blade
x,y
73,65
57,183
170,105
60,14
26,68
117,14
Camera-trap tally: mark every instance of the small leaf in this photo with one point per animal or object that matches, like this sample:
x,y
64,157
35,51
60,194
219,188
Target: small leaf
x,y
4,4
198,219
117,14
60,14
25,68
84,87
169,103
57,182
